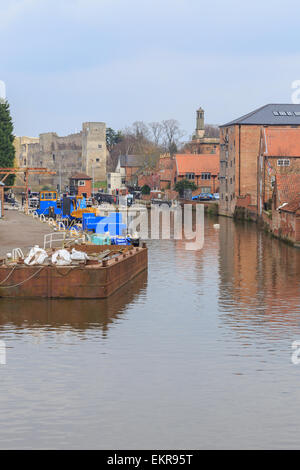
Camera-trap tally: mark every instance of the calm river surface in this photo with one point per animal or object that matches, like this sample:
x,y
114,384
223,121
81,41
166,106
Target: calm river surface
x,y
196,354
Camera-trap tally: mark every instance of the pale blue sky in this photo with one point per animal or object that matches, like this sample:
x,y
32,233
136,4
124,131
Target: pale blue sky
x,y
118,61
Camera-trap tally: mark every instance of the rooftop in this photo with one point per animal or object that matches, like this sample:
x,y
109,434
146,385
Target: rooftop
x,y
282,142
270,114
80,176
132,160
288,187
293,206
198,163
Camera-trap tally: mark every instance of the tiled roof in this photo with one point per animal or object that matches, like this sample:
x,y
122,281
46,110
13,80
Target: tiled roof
x,y
198,163
282,142
81,176
132,161
293,206
271,114
288,187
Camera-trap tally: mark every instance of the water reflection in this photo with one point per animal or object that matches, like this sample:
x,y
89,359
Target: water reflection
x,y
259,279
76,315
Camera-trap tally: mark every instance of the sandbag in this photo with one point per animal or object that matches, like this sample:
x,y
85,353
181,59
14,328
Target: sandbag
x,y
36,256
61,258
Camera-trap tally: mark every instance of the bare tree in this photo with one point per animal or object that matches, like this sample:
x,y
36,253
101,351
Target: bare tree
x,y
172,134
157,132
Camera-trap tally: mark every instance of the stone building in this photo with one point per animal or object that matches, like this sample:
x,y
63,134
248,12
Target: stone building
x,y
200,143
239,154
81,152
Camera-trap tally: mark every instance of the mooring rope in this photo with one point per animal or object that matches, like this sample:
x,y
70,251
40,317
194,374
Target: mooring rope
x,y
4,280
23,282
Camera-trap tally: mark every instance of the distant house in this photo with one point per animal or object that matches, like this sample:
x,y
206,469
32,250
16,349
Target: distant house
x,y
279,155
286,207
81,184
167,172
131,165
201,169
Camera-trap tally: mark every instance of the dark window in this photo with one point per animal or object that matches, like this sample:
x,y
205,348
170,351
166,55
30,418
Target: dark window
x,y
205,176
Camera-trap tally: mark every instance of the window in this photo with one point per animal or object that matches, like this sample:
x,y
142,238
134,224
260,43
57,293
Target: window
x,y
123,181
99,146
282,113
97,159
53,156
205,176
283,162
190,176
205,189
276,113
81,183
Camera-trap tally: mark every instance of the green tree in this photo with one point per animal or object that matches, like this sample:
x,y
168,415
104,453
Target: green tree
x,y
7,149
180,186
112,138
145,189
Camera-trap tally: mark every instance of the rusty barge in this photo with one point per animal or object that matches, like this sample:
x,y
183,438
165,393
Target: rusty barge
x,y
93,280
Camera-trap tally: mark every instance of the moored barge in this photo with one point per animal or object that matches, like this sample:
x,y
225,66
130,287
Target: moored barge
x,y
93,280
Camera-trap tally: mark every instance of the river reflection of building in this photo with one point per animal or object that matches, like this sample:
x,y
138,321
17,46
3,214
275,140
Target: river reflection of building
x,y
259,276
71,315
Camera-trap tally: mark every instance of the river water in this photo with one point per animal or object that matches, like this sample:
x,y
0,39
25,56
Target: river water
x,y
194,354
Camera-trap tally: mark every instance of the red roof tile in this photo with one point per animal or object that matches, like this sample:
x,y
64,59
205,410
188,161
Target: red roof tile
x,y
81,176
288,187
293,206
282,142
198,163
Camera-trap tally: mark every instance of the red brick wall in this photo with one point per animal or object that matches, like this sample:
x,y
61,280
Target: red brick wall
x,y
286,225
278,170
241,155
87,188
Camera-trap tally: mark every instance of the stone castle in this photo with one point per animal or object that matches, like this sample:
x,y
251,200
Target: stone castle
x,y
81,152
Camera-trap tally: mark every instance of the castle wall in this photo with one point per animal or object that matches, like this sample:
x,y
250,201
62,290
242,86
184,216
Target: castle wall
x,y
82,152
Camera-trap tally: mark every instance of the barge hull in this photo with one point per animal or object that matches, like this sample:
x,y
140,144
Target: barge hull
x,y
74,282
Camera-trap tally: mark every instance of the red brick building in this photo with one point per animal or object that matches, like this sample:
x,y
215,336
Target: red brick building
x,y
240,145
167,172
81,184
279,155
286,207
203,170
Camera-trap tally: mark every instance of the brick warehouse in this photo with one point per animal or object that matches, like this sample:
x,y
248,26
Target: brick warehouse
x,y
279,155
286,207
240,142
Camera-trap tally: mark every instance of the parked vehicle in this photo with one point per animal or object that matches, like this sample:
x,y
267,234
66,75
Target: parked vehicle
x,y
203,197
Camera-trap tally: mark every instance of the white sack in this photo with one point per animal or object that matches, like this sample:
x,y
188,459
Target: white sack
x,y
78,255
61,258
36,256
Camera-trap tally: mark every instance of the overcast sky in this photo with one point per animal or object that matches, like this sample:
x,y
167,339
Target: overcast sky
x,y
69,61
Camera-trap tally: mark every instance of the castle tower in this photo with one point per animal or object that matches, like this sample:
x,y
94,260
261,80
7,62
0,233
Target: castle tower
x,y
94,153
199,134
